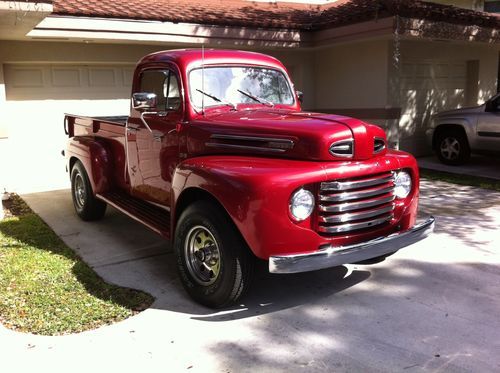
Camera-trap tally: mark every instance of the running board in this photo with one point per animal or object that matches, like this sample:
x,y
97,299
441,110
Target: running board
x,y
153,217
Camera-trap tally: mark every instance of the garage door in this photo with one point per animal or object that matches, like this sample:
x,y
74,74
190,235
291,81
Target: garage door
x,y
38,95
427,88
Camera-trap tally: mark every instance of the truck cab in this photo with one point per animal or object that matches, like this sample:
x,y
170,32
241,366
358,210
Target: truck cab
x,y
218,156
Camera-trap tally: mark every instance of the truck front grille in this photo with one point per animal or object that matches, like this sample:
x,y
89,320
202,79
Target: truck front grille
x,y
354,204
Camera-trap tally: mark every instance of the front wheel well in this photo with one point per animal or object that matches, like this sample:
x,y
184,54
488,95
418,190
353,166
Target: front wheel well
x,y
192,195
72,162
446,127
189,196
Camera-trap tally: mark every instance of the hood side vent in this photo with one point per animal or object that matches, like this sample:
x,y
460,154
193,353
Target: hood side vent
x,y
379,145
343,148
250,143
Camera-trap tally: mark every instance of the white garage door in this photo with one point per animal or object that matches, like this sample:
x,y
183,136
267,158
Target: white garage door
x,y
427,88
38,95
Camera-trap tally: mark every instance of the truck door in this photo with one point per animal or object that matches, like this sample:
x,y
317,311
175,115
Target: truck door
x,y
152,153
488,126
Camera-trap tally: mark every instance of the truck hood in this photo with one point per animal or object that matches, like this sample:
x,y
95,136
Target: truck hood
x,y
285,133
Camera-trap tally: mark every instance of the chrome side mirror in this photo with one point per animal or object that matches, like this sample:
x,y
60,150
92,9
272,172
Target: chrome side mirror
x,y
144,101
300,96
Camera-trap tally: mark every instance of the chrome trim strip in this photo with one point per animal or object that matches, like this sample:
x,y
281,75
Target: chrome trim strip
x,y
350,206
344,218
331,256
347,185
287,142
347,196
354,226
244,147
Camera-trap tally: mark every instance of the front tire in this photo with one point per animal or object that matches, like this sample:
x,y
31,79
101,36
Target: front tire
x,y
214,263
452,147
87,207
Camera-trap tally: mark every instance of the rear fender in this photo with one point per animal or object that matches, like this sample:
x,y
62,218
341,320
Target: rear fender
x,y
96,159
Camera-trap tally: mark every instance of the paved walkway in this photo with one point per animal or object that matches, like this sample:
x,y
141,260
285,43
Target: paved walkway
x,y
478,165
433,306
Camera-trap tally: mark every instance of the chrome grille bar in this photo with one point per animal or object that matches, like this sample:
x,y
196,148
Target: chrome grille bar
x,y
343,218
354,226
347,196
350,206
356,203
348,185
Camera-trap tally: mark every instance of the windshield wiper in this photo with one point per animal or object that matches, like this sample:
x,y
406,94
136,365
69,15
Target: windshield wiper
x,y
255,98
215,98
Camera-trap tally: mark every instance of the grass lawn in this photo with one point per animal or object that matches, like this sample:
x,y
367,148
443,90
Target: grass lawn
x,y
45,288
476,181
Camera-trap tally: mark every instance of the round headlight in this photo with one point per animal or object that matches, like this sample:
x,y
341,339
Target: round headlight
x,y
301,204
402,183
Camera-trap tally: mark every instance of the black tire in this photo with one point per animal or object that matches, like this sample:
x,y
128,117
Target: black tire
x,y
87,207
452,147
221,273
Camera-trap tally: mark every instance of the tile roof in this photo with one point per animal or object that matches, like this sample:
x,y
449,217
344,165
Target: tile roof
x,y
298,16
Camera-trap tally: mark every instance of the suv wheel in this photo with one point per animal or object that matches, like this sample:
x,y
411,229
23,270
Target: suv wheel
x,y
452,147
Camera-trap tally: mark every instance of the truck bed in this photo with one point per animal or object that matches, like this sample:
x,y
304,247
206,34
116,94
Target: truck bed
x,y
75,125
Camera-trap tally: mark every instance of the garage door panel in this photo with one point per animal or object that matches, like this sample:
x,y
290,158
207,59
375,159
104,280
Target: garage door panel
x,y
428,87
63,82
46,92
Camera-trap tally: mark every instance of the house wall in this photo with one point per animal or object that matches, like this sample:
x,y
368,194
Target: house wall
x,y
31,124
353,79
445,76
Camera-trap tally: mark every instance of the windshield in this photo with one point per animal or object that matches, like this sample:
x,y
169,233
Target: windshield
x,y
239,85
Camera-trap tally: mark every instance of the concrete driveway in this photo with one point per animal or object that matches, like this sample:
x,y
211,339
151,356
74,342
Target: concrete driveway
x,y
433,307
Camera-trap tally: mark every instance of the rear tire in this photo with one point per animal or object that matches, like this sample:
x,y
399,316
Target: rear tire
x,y
214,263
87,207
452,147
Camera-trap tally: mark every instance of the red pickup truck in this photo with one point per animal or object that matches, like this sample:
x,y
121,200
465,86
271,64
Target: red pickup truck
x,y
217,156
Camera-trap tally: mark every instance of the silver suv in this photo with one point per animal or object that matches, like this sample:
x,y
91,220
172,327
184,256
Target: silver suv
x,y
455,134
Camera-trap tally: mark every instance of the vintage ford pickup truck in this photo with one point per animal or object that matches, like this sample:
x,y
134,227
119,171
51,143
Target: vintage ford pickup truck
x,y
217,156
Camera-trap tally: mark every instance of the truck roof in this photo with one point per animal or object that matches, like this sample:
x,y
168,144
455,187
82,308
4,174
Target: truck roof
x,y
190,58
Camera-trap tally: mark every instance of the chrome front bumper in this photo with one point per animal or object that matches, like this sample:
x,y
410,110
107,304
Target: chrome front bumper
x,y
335,256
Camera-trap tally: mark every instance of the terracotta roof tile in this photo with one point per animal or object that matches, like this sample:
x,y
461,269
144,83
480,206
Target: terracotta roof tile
x,y
272,15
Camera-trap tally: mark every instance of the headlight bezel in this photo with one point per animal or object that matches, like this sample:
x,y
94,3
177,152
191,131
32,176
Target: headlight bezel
x,y
297,215
403,184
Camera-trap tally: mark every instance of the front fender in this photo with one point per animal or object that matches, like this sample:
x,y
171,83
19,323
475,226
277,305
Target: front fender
x,y
95,157
255,193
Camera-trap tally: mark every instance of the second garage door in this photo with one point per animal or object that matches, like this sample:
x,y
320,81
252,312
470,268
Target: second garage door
x,y
428,87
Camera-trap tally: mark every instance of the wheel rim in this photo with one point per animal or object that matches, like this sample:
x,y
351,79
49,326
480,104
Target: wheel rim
x,y
79,191
450,148
202,255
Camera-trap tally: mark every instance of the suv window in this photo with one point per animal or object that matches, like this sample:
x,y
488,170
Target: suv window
x,y
165,85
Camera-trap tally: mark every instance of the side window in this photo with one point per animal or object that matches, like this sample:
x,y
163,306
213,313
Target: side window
x,y
165,85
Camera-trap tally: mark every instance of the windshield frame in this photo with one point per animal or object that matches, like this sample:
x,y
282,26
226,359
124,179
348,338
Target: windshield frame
x,y
241,65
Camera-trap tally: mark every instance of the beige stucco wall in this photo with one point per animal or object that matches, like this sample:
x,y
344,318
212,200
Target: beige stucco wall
x,y
356,76
351,75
